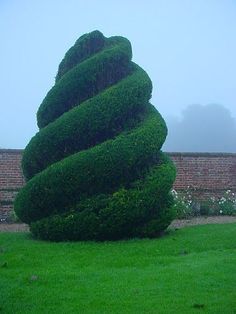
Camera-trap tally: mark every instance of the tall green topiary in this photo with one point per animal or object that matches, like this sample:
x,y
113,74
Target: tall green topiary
x,y
95,169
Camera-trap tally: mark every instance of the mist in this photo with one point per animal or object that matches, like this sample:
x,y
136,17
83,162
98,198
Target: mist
x,y
202,128
187,48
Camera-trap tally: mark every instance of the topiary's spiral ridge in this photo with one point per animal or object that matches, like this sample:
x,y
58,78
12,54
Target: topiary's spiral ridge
x,y
95,169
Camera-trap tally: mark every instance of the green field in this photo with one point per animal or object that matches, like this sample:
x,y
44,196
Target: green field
x,y
192,270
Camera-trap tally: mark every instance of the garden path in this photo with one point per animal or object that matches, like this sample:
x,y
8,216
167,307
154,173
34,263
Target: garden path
x,y
176,224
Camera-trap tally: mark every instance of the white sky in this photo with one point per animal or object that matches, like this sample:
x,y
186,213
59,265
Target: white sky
x,y
187,47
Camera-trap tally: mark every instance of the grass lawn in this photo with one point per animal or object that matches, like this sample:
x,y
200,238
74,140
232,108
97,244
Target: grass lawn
x,y
192,270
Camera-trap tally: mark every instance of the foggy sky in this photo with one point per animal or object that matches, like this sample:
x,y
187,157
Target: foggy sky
x,y
187,47
209,128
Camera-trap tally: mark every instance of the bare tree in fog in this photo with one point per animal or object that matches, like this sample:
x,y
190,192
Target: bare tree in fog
x,y
209,128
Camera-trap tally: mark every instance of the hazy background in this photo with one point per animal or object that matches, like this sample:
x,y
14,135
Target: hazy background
x,y
187,47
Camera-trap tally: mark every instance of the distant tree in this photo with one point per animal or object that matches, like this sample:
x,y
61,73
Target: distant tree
x,y
95,169
209,128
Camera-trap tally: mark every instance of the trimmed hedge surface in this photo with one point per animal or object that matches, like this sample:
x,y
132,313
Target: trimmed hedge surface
x,y
95,169
143,210
115,109
85,47
86,80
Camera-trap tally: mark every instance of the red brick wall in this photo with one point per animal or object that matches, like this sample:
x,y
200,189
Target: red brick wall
x,y
207,173
11,179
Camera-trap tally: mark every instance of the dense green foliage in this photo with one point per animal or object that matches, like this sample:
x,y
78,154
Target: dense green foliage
x,y
143,210
95,169
191,270
86,79
116,108
84,48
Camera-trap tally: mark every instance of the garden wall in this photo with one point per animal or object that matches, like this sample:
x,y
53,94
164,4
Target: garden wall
x,y
11,179
206,174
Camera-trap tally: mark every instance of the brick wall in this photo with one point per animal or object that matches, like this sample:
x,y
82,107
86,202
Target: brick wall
x,y
11,179
207,173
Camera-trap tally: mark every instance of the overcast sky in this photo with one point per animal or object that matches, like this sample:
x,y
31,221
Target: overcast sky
x,y
187,47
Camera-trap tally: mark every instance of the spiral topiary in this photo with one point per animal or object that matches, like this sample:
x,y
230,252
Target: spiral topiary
x,y
95,170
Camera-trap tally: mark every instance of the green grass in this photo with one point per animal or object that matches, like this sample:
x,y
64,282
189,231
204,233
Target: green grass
x,y
192,270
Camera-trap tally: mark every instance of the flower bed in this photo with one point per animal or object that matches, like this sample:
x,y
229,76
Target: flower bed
x,y
187,204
